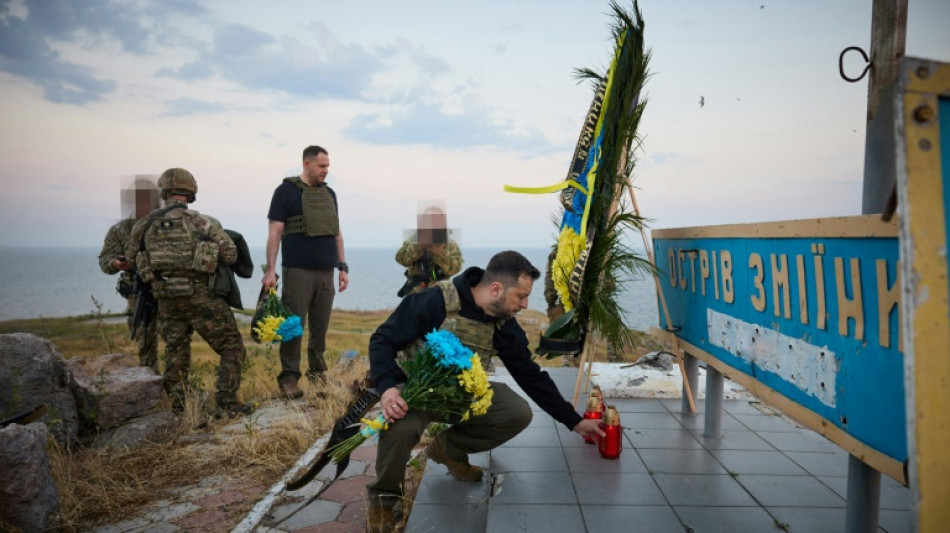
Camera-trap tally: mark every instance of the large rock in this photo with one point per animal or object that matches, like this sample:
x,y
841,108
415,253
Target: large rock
x,y
28,498
154,427
33,372
113,389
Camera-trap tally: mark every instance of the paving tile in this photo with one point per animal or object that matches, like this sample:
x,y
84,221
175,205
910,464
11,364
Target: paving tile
x,y
212,519
703,490
542,420
757,462
506,459
798,442
435,517
330,527
546,488
167,513
744,407
698,422
348,490
790,491
440,487
649,421
680,461
734,440
366,452
723,520
570,439
521,518
894,521
616,489
621,518
125,525
820,463
839,484
316,512
222,498
675,405
662,438
810,519
353,513
545,436
588,460
637,405
895,496
355,468
160,527
763,422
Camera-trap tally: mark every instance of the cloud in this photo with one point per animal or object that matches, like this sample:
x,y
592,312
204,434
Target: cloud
x,y
428,123
31,43
258,61
190,106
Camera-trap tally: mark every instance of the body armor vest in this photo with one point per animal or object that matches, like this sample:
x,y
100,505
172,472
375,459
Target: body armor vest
x,y
178,254
319,211
474,334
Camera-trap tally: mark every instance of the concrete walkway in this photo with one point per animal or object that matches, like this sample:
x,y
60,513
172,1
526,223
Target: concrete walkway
x,y
764,474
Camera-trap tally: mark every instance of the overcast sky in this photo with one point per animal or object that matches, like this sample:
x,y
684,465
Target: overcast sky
x,y
427,100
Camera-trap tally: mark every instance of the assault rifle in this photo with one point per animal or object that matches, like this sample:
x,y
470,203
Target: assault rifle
x,y
145,304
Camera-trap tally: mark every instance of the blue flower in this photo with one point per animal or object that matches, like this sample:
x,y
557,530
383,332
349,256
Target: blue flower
x,y
448,350
290,328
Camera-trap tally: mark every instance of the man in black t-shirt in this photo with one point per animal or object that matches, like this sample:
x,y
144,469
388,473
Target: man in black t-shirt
x,y
304,218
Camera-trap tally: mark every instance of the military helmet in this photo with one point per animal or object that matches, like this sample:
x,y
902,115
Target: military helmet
x,y
178,178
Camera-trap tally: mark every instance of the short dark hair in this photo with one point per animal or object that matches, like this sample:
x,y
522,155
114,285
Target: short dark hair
x,y
314,151
506,267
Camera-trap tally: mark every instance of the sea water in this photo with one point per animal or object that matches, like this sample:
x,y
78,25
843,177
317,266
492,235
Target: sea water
x,y
66,281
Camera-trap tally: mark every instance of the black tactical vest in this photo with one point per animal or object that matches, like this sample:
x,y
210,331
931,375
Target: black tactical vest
x,y
319,211
474,334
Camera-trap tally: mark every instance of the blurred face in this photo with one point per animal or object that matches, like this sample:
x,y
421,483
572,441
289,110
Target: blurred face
x,y
511,300
317,168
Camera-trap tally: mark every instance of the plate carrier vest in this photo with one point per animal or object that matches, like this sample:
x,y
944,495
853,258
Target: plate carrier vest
x,y
319,211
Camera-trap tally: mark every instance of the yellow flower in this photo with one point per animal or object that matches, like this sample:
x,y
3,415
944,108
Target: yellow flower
x,y
475,382
569,248
267,328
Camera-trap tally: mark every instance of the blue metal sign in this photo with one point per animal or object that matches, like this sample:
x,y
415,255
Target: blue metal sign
x,y
808,308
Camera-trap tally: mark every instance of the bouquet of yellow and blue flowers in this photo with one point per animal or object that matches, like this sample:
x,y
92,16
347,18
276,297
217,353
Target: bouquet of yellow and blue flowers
x,y
275,322
445,377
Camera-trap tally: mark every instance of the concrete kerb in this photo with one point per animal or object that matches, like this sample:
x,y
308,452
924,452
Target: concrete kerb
x,y
254,517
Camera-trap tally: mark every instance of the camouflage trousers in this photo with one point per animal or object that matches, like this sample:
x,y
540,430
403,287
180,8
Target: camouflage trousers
x,y
146,337
212,318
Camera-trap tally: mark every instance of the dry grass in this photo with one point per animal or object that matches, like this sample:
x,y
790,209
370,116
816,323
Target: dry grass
x,y
105,486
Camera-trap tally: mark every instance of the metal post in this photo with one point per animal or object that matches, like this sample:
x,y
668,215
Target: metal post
x,y
691,379
864,496
888,36
714,393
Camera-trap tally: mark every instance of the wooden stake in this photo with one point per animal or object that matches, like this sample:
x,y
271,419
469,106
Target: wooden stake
x,y
666,312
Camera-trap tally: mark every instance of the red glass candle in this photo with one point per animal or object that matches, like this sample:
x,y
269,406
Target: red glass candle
x,y
611,445
593,412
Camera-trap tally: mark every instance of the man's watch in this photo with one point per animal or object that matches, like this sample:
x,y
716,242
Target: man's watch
x,y
343,267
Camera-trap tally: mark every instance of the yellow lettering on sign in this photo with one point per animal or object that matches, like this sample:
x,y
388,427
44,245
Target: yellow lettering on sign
x,y
888,296
680,256
758,301
671,257
849,307
802,289
703,270
692,270
715,265
821,318
728,288
780,280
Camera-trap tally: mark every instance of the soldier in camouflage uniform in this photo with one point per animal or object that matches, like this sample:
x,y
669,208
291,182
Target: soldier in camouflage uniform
x,y
177,250
429,256
112,260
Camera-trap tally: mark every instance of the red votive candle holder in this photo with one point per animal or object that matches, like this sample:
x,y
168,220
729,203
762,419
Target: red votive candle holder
x,y
612,444
593,412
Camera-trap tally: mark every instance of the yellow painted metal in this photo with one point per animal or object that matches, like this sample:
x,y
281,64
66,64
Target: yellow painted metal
x,y
926,313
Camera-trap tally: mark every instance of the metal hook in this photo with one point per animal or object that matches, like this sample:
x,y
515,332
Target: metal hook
x,y
841,64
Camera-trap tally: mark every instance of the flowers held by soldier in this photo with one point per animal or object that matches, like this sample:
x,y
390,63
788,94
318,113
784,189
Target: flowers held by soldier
x,y
444,377
277,323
